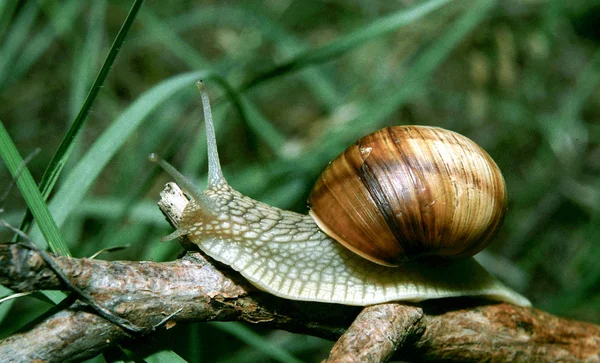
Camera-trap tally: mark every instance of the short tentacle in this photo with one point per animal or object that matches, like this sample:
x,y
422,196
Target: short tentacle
x,y
185,183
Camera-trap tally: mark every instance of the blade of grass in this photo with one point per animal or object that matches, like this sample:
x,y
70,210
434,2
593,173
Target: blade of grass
x,y
161,32
140,354
287,44
377,109
5,306
16,38
256,121
35,202
261,125
85,60
62,154
164,356
32,196
252,339
429,60
343,44
7,10
190,56
61,21
56,164
80,179
380,107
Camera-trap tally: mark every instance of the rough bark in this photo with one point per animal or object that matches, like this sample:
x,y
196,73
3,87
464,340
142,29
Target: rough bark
x,y
146,292
377,332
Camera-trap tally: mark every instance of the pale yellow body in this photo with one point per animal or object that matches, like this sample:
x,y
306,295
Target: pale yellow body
x,y
286,254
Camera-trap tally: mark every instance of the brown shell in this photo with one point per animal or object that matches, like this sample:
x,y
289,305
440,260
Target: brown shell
x,y
409,191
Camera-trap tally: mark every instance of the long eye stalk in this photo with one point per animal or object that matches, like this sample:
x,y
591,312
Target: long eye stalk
x,y
215,176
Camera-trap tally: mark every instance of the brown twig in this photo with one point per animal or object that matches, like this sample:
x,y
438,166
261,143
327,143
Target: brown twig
x,y
146,292
377,332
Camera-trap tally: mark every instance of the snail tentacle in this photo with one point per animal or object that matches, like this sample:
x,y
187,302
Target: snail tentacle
x,y
186,184
215,175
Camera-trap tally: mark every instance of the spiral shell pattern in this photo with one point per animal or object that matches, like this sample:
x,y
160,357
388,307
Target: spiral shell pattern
x,y
405,192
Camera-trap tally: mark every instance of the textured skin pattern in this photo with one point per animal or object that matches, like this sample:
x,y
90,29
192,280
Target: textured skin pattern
x,y
285,253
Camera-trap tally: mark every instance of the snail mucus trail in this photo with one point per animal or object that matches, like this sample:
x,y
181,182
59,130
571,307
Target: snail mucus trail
x,y
288,255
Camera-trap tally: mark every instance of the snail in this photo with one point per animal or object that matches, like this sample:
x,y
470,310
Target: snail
x,y
396,198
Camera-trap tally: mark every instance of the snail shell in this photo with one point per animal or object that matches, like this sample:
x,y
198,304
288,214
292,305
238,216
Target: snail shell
x,y
405,192
286,253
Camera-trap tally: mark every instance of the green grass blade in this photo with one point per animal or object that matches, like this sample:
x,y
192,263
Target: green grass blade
x,y
343,44
62,154
256,121
261,125
287,44
16,39
32,196
164,356
161,32
7,10
252,339
56,164
7,305
380,107
140,354
85,60
425,64
62,20
80,179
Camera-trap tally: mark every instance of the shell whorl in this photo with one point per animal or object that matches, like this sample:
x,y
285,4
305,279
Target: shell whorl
x,y
405,192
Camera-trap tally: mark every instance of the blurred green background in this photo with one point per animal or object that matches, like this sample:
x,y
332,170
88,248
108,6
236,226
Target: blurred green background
x,y
292,83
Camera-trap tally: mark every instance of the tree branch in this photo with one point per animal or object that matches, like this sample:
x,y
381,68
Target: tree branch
x,y
146,292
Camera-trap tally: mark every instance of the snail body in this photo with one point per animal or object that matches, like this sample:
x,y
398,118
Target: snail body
x,y
289,255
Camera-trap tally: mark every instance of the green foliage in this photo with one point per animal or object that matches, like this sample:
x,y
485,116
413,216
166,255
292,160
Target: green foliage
x,y
291,84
